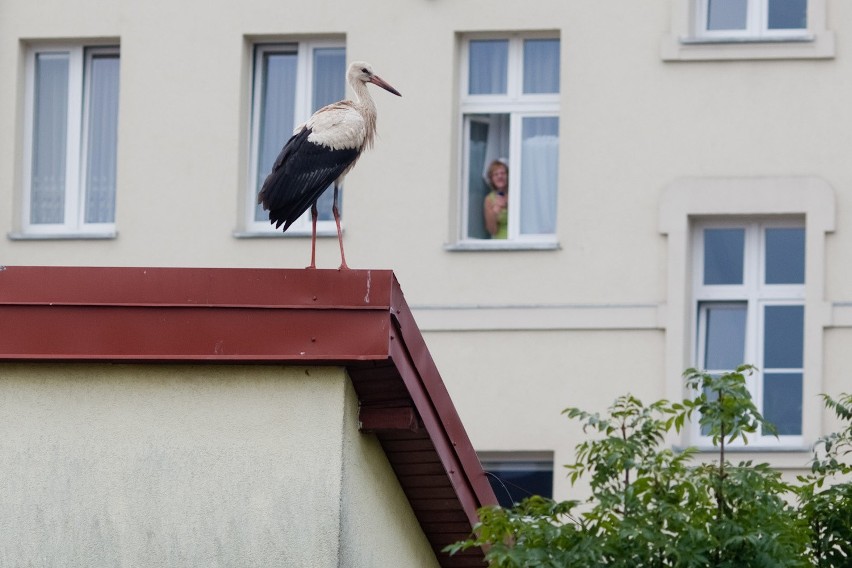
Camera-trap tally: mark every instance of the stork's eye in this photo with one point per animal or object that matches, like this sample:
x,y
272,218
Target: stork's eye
x,y
364,70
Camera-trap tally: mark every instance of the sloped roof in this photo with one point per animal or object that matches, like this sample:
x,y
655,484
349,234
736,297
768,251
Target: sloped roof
x,y
355,318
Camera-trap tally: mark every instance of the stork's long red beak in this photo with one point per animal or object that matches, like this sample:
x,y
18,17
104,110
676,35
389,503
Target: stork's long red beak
x,y
376,80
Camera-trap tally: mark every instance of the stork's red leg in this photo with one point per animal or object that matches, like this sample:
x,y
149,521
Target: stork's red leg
x,y
336,213
314,214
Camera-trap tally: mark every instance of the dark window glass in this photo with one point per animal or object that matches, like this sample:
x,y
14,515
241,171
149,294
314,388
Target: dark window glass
x,y
723,256
788,14
783,337
785,256
782,402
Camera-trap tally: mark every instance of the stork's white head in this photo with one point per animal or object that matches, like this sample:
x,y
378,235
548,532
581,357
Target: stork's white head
x,y
362,72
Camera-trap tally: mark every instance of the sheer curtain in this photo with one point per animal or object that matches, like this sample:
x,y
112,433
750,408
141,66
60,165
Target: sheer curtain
x,y
102,139
541,66
277,107
487,74
539,174
50,137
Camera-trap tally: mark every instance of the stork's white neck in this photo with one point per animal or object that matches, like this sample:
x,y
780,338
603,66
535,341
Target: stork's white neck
x,y
365,105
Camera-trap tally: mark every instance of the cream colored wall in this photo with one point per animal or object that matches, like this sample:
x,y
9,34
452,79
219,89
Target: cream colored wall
x,y
187,465
631,124
548,371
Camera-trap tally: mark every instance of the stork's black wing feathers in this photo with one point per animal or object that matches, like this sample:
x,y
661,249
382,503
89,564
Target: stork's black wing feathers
x,y
301,173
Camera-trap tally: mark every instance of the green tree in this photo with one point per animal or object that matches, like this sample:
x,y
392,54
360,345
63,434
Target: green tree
x,y
825,495
654,507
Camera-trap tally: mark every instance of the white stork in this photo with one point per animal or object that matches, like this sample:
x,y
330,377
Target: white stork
x,y
321,152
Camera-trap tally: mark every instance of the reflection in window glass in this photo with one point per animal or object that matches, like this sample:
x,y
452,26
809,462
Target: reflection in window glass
x,y
488,67
782,402
724,336
788,14
783,332
785,256
727,14
723,256
541,66
539,174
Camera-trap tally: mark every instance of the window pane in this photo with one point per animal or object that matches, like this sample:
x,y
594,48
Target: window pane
x,y
50,134
329,87
788,14
783,337
727,14
782,402
541,66
488,140
513,481
277,108
723,256
785,256
102,137
329,76
488,67
724,339
477,187
539,174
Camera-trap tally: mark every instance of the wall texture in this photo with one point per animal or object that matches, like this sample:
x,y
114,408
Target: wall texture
x,y
127,465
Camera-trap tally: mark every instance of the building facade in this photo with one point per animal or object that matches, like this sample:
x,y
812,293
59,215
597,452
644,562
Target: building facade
x,y
678,188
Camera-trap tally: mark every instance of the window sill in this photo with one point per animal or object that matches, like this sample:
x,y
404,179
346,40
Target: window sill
x,y
282,235
501,245
62,236
805,46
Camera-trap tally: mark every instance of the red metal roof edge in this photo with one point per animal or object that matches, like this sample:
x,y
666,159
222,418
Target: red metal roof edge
x,y
451,441
191,287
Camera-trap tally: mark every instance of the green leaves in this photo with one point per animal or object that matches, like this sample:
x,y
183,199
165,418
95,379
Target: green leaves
x,y
724,403
651,506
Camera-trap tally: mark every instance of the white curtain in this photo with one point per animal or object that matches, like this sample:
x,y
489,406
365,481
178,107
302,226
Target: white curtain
x,y
277,107
539,175
50,137
102,138
488,66
541,66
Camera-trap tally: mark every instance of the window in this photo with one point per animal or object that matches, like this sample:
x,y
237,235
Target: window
x,y
510,112
290,81
752,18
748,29
782,224
71,140
749,293
517,475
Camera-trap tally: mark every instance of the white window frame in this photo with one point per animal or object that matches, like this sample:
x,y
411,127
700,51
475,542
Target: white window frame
x,y
688,200
755,295
518,105
690,40
304,89
74,224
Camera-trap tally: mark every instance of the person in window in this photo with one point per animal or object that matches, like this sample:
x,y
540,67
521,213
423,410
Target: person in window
x,y
495,207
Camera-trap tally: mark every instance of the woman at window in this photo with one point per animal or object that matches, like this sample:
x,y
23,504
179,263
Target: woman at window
x,y
497,201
